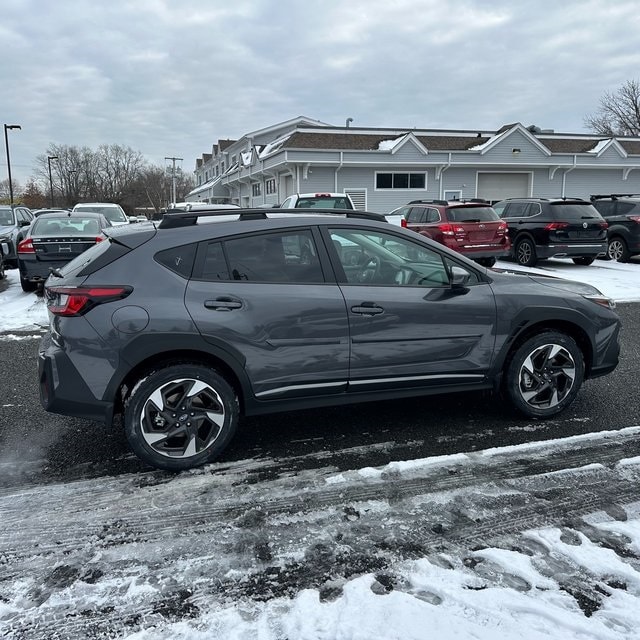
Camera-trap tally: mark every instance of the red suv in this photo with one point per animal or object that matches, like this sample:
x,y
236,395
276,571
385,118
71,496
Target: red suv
x,y
470,227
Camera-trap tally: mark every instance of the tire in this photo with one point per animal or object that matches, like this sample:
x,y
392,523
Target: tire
x,y
27,286
3,275
583,261
190,394
486,262
558,367
525,253
617,249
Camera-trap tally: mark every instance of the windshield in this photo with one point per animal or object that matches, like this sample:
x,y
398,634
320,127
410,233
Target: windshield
x,y
113,214
6,217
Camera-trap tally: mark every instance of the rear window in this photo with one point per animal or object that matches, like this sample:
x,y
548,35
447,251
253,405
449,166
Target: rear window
x,y
573,210
323,202
94,258
472,214
76,226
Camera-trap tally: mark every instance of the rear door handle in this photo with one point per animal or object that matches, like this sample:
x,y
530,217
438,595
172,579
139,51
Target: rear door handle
x,y
367,309
223,304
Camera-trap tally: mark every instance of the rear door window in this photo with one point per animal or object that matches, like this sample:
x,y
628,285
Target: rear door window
x,y
287,257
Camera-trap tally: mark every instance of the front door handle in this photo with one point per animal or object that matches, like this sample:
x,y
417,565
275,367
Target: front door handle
x,y
223,304
367,309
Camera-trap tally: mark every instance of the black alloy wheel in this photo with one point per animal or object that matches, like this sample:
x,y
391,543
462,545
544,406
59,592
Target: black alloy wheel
x,y
181,416
545,374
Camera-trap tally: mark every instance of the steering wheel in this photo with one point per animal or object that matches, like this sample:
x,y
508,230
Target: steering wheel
x,y
370,269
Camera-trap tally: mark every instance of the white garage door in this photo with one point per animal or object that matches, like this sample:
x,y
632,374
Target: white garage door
x,y
497,186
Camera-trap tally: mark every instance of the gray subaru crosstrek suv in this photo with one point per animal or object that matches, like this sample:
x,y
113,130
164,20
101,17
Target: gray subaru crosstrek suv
x,y
185,326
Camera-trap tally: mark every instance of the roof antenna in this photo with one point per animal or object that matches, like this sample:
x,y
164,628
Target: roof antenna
x,y
349,121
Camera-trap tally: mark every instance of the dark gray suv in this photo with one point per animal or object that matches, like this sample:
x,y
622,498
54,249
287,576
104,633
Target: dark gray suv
x,y
186,326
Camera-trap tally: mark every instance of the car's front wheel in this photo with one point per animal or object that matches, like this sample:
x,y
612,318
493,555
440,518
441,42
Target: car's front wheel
x,y
617,250
180,416
525,253
545,374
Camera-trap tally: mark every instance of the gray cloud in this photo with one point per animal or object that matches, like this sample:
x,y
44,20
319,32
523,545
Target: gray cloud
x,y
169,79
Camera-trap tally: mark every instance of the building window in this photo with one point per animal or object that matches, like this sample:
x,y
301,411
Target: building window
x,y
255,189
401,180
217,170
270,186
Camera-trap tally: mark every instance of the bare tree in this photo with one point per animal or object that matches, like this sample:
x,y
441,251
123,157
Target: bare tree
x,y
618,113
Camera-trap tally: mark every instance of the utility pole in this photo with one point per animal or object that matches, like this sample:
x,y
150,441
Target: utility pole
x,y
173,177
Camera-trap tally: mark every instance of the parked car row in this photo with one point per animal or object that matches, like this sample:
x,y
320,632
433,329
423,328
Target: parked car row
x,y
530,229
44,239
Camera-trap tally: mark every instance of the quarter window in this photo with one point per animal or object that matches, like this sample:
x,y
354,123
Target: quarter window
x,y
397,180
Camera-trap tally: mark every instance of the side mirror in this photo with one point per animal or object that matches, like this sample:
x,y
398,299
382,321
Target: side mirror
x,y
459,278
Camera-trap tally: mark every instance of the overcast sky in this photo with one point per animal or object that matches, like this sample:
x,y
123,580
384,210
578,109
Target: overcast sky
x,y
170,78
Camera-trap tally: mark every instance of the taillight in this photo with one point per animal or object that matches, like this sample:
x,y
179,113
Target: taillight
x,y
553,226
403,223
26,246
502,229
450,230
634,218
604,224
76,301
99,239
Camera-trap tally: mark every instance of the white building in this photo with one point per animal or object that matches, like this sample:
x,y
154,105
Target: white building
x,y
382,169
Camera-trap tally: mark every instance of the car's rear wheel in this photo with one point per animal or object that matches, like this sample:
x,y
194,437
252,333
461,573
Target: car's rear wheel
x,y
545,374
2,273
27,285
525,253
583,261
617,249
180,416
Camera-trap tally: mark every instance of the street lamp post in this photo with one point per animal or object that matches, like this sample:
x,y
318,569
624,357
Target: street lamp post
x,y
6,143
49,159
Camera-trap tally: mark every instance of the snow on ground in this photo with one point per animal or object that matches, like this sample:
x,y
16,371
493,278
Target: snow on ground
x,y
540,541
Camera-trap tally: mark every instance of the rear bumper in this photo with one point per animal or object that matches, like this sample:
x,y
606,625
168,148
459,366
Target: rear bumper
x,y
62,389
34,271
559,250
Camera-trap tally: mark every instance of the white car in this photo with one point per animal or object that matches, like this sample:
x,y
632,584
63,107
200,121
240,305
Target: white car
x,y
318,201
114,213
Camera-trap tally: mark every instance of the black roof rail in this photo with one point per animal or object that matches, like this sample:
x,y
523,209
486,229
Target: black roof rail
x,y
179,218
443,202
614,196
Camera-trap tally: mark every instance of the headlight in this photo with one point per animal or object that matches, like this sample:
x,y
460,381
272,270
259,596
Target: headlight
x,y
601,299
